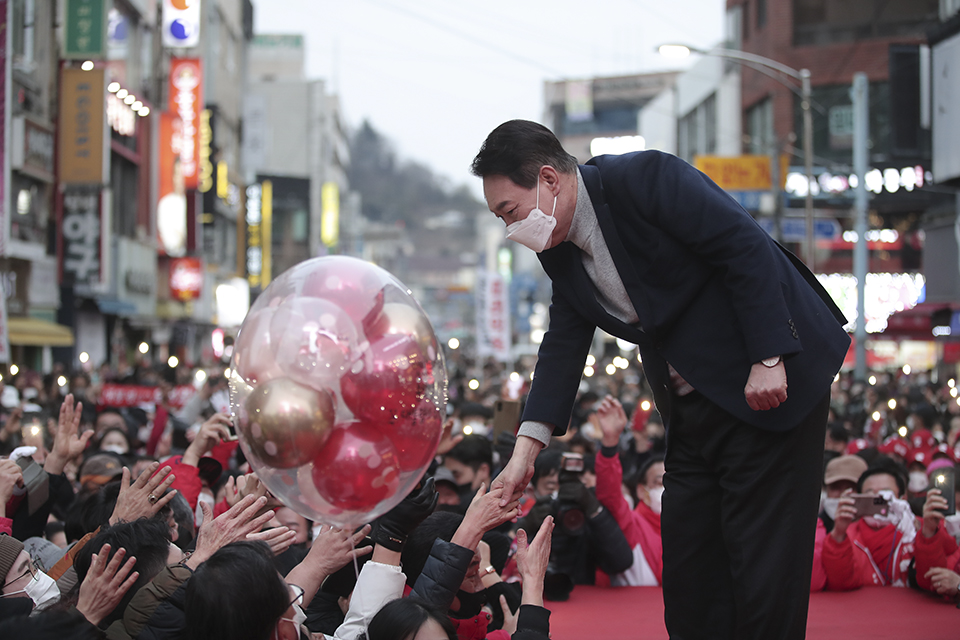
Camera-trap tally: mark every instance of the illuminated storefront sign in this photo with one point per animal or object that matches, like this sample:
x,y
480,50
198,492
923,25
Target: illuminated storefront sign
x,y
181,23
206,140
884,295
186,102
254,251
330,215
82,143
186,278
877,181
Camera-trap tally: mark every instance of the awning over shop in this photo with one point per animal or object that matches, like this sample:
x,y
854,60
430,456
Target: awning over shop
x,y
35,332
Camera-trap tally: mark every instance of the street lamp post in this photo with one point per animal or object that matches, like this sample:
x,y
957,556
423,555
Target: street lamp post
x,y
777,71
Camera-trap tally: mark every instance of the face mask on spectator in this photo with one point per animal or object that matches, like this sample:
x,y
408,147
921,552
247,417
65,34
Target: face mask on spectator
x,y
918,482
114,448
656,499
42,589
830,507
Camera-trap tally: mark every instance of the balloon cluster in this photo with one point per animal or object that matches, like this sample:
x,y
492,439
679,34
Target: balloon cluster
x,y
338,389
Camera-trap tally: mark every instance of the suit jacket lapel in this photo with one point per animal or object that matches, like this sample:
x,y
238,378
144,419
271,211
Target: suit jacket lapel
x,y
621,259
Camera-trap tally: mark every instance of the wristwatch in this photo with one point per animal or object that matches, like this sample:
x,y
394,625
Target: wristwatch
x,y
771,362
487,571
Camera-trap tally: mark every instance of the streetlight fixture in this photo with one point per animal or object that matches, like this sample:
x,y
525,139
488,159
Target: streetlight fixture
x,y
782,74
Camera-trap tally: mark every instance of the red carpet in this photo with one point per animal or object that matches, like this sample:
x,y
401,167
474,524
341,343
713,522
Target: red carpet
x,y
879,613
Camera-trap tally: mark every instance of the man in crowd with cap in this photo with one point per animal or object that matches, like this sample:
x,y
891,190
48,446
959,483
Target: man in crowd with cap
x,y
841,474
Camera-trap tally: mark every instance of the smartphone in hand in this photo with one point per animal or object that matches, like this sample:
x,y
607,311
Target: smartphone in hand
x,y
945,481
868,504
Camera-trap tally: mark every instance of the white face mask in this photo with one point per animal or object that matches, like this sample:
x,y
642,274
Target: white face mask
x,y
656,499
114,448
42,589
918,482
534,231
830,507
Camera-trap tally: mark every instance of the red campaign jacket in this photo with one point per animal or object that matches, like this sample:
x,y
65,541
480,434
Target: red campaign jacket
x,y
939,551
818,579
850,564
641,527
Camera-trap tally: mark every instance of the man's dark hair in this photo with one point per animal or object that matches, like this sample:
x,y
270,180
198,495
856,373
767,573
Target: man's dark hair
x,y
440,524
838,433
473,451
518,149
883,464
236,595
645,467
146,540
547,462
50,625
402,618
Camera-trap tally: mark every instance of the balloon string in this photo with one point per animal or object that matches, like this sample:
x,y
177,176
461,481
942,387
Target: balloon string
x,y
356,593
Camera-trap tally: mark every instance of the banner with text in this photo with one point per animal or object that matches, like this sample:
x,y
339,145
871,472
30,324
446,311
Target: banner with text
x,y
186,101
493,316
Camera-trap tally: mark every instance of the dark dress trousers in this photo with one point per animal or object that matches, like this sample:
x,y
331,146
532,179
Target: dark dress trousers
x,y
714,294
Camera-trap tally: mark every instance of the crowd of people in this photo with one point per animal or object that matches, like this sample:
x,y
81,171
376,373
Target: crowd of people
x,y
146,521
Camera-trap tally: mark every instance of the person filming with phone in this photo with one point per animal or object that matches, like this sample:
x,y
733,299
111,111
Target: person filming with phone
x,y
872,541
937,552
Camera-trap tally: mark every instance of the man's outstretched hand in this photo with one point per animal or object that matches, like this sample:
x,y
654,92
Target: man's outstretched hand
x,y
515,477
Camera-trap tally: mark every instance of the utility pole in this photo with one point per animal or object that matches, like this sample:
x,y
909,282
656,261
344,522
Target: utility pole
x,y
860,93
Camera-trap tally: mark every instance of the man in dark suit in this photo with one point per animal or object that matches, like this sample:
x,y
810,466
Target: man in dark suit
x,y
727,321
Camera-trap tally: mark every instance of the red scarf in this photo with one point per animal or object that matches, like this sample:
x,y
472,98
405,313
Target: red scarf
x,y
881,543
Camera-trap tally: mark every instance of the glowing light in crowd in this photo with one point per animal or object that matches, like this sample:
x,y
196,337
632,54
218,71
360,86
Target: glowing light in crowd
x,y
144,347
884,294
951,383
62,381
84,357
610,369
536,336
173,361
872,380
514,376
467,430
588,371
453,343
906,369
902,431
892,404
200,375
591,361
87,65
14,369
645,405
875,415
474,384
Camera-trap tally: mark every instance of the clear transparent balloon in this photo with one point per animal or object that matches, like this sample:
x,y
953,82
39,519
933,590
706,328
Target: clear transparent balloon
x,y
338,390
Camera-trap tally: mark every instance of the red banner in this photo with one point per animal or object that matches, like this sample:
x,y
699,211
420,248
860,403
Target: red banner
x,y
130,395
186,101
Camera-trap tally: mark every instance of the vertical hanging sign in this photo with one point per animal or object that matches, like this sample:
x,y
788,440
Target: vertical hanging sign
x,y
186,101
83,156
180,20
84,31
4,126
330,214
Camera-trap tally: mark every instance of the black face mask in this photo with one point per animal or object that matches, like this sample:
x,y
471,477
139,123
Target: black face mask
x,y
470,604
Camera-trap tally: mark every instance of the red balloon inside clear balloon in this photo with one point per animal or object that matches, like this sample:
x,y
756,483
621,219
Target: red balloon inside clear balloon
x,y
360,294
417,436
386,384
357,468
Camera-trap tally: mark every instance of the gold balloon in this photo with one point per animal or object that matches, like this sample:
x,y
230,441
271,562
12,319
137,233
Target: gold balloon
x,y
286,423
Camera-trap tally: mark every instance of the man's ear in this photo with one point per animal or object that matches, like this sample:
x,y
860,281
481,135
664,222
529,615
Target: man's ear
x,y
550,177
484,472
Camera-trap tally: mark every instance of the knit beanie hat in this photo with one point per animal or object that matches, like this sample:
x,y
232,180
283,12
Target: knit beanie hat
x,y
10,548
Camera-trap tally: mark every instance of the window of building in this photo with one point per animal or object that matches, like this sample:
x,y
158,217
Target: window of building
x,y
760,127
745,22
697,130
819,22
761,14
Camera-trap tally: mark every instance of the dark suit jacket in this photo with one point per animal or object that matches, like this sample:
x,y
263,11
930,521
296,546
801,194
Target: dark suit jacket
x,y
713,291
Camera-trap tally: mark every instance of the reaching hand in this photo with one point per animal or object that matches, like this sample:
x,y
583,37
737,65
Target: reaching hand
x,y
766,387
933,508
67,444
334,548
230,526
144,498
211,432
515,477
105,584
484,514
509,617
10,477
447,439
279,538
611,419
532,561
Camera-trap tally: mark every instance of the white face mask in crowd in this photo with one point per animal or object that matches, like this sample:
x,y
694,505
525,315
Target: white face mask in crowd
x,y
830,507
114,448
656,499
534,231
918,482
42,589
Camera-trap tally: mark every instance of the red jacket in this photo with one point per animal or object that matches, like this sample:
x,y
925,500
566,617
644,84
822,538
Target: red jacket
x,y
867,557
641,527
818,579
939,551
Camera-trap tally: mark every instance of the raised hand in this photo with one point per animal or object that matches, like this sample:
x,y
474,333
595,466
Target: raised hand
x,y
611,420
447,439
279,538
230,526
144,498
933,508
105,584
532,561
211,432
484,513
68,443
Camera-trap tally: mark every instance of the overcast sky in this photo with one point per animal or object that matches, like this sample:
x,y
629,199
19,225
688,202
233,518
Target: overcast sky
x,y
435,76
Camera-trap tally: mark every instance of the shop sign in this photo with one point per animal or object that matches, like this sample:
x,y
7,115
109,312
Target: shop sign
x,y
180,22
171,204
81,236
330,214
83,157
186,278
254,251
32,150
493,316
741,173
206,142
85,26
186,101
